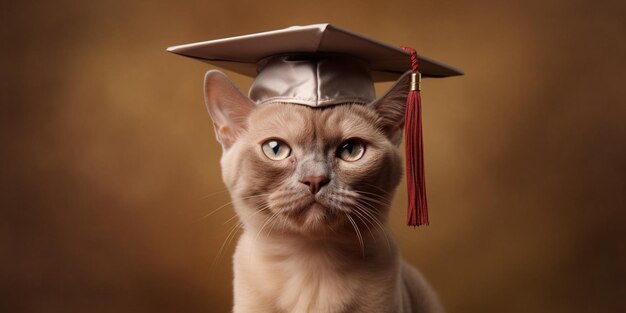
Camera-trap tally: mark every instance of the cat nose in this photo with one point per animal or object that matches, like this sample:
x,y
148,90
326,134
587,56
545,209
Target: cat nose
x,y
315,183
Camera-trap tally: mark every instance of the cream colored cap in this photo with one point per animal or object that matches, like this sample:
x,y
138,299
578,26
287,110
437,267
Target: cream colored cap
x,y
315,65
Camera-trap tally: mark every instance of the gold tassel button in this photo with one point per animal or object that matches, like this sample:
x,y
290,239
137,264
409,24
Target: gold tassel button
x,y
416,81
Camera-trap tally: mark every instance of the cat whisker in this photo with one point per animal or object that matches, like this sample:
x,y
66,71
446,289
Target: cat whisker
x,y
237,227
260,209
378,188
358,234
374,195
287,198
370,209
367,195
231,202
274,224
374,200
284,224
213,194
366,209
271,222
230,219
267,221
371,215
340,203
365,215
365,221
347,192
375,220
215,210
231,233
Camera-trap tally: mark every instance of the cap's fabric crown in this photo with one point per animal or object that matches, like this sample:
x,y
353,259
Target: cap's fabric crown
x,y
312,80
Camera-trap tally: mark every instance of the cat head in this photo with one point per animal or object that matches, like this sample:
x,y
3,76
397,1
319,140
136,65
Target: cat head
x,y
293,168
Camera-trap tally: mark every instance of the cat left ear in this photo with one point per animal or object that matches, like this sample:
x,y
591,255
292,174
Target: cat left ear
x,y
227,106
391,108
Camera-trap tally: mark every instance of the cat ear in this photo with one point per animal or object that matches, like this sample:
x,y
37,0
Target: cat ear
x,y
227,106
391,108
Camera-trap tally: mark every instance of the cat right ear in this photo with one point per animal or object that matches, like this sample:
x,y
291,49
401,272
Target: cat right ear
x,y
227,106
391,108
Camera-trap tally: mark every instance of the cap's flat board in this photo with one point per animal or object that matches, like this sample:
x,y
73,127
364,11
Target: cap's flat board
x,y
241,54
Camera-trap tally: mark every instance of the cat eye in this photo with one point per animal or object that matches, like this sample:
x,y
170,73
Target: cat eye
x,y
351,150
276,150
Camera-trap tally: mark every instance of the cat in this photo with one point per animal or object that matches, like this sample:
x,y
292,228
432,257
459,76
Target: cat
x,y
312,189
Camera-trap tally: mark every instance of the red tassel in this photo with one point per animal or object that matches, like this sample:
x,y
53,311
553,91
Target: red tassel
x,y
417,211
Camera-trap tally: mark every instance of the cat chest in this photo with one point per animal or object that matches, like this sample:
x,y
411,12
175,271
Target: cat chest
x,y
308,280
315,285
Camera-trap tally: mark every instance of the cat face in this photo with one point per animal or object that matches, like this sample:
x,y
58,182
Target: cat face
x,y
293,168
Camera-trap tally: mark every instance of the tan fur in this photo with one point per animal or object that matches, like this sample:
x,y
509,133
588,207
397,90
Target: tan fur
x,y
324,252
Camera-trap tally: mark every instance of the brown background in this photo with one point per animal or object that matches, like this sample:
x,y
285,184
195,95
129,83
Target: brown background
x,y
109,162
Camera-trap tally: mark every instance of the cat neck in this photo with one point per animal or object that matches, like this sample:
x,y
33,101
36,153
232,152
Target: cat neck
x,y
344,244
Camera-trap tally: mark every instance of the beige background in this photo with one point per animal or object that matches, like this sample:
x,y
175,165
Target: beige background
x,y
109,161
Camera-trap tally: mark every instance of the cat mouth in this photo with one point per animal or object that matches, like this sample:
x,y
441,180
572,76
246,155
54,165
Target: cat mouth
x,y
317,206
310,215
308,205
314,209
309,211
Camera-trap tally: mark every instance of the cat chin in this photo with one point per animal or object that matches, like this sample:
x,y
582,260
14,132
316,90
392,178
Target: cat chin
x,y
316,214
314,218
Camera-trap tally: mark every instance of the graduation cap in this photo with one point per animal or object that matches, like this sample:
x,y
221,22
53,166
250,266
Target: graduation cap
x,y
322,65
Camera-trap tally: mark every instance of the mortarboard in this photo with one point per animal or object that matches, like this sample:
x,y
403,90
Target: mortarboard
x,y
322,65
